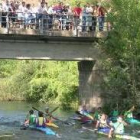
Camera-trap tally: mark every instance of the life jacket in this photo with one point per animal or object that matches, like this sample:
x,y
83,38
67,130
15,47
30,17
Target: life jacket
x,y
103,123
32,119
41,122
119,128
97,115
128,115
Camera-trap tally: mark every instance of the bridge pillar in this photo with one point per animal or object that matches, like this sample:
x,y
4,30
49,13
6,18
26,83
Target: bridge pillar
x,y
89,84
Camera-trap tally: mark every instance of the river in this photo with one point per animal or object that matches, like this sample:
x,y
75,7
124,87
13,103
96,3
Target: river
x,y
12,116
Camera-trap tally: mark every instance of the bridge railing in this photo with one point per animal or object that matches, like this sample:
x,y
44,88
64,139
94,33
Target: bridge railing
x,y
52,24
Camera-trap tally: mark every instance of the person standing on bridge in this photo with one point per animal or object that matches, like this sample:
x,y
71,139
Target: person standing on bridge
x,y
101,11
5,10
41,15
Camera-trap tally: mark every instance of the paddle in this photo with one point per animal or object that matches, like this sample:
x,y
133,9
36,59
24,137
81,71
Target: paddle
x,y
77,112
49,114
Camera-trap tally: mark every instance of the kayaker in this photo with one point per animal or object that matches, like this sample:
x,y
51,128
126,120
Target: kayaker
x,y
83,109
85,112
41,121
129,114
119,125
114,115
49,115
103,124
30,119
97,113
50,118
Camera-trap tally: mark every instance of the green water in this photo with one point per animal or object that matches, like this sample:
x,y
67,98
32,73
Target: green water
x,y
12,115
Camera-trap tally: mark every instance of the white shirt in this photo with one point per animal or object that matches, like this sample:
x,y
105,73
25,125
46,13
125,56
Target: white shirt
x,y
22,8
50,10
42,10
89,10
5,8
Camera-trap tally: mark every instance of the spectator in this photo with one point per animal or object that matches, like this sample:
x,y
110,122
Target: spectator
x,y
77,13
84,15
69,17
29,15
21,10
42,14
94,18
50,13
101,16
89,11
58,11
64,17
5,10
12,10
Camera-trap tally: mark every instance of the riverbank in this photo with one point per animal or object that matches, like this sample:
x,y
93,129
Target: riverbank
x,y
35,81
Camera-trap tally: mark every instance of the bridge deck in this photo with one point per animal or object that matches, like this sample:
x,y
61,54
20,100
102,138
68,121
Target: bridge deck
x,y
65,33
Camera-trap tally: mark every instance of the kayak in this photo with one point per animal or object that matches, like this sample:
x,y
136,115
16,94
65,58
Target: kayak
x,y
105,131
82,119
50,124
87,115
133,121
46,130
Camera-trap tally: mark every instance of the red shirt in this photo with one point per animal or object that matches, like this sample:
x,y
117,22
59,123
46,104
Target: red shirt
x,y
77,11
101,11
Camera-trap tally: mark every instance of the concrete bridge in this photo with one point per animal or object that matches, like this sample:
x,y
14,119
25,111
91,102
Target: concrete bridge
x,y
81,49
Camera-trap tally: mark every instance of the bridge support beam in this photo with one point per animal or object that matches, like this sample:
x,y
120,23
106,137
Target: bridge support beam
x,y
89,84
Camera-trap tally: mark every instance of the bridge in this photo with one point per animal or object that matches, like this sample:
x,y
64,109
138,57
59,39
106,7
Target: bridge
x,y
62,46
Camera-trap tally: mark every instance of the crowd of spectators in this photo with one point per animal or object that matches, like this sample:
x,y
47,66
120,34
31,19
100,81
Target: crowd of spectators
x,y
64,16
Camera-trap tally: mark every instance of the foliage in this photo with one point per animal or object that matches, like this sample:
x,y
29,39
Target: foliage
x,y
75,2
122,46
55,82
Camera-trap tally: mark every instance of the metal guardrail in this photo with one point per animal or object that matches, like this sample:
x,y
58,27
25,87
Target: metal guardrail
x,y
48,22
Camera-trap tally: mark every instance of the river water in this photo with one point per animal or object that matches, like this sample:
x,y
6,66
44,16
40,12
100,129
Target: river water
x,y
12,116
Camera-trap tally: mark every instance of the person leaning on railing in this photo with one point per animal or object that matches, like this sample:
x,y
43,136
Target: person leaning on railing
x,y
89,11
64,17
58,14
77,13
101,16
84,15
94,18
12,12
21,12
41,15
29,16
5,10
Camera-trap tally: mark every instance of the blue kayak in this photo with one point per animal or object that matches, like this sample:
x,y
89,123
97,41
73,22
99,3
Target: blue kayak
x,y
105,131
133,121
46,130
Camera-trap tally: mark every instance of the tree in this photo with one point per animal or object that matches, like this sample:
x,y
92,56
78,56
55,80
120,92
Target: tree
x,y
122,46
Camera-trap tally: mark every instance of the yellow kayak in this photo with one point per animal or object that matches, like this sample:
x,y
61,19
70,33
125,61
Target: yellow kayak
x,y
50,124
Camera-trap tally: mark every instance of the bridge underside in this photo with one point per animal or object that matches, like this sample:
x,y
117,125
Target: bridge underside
x,y
83,50
48,48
